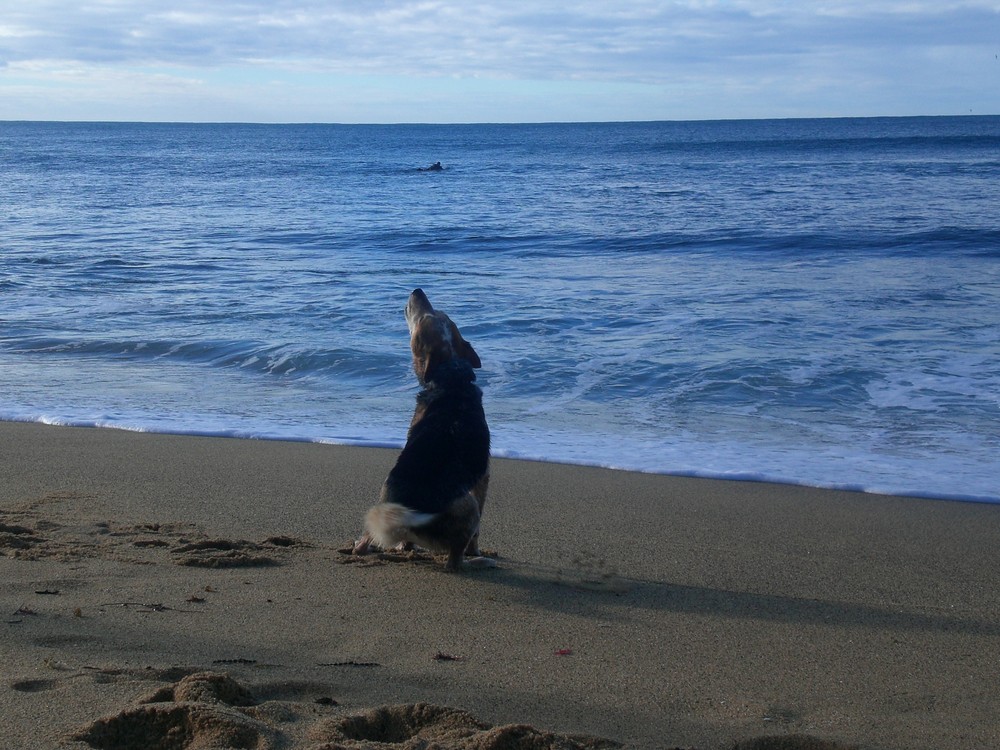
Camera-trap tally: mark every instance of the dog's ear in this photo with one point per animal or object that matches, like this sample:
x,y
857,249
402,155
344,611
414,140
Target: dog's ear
x,y
463,348
469,354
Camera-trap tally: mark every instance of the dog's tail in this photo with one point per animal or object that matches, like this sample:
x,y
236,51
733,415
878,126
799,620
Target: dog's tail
x,y
391,523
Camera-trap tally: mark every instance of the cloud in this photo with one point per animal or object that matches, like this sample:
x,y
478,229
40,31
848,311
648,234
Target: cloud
x,y
681,57
627,40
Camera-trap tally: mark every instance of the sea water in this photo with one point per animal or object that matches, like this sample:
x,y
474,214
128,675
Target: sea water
x,y
805,301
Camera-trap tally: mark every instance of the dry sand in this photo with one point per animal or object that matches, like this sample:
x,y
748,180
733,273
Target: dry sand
x,y
181,592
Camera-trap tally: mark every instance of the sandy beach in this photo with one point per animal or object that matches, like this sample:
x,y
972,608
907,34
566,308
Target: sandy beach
x,y
171,591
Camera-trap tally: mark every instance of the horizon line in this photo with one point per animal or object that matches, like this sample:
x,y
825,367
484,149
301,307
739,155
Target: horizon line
x,y
403,123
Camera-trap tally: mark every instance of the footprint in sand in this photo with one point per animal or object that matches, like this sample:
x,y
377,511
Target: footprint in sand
x,y
32,686
221,553
226,553
24,534
16,539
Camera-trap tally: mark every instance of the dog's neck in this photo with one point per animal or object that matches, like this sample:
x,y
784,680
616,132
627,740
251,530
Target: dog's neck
x,y
454,372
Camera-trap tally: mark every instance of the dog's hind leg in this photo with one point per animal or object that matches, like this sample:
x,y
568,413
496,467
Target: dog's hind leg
x,y
457,559
479,493
459,534
456,556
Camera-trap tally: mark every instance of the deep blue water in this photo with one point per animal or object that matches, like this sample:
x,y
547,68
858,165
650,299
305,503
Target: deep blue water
x,y
812,301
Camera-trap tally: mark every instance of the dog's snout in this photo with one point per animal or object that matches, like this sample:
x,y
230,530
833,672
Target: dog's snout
x,y
417,304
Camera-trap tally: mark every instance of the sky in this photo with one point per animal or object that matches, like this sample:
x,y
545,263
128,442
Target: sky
x,y
455,61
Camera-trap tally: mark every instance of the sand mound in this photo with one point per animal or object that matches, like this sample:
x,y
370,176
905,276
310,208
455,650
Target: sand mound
x,y
198,713
420,725
204,687
211,711
177,726
790,742
395,725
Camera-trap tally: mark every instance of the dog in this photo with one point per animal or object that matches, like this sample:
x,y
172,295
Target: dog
x,y
434,495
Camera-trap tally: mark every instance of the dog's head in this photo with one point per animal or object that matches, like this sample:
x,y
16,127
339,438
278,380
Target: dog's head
x,y
434,338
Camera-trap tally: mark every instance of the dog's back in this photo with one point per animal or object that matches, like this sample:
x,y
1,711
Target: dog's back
x,y
448,445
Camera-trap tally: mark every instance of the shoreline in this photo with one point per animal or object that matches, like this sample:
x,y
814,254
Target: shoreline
x,y
735,476
653,610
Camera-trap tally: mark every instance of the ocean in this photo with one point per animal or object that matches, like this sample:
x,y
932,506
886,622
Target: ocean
x,y
814,302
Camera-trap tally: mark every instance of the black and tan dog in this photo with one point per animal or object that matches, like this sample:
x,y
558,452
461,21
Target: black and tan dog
x,y
435,493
